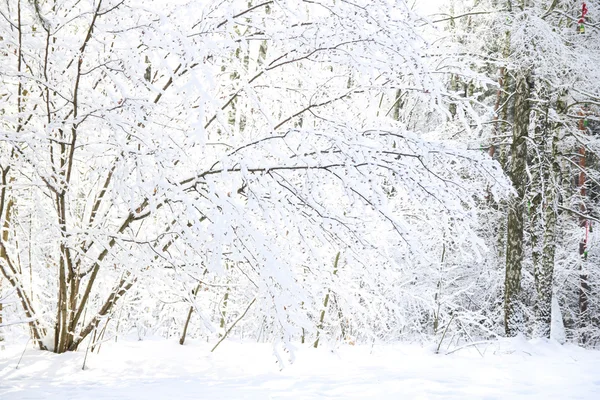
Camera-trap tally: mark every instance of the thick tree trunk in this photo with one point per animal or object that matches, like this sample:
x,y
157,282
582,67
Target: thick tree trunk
x,y
514,247
544,270
544,276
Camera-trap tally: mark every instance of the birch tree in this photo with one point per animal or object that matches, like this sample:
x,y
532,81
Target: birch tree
x,y
546,41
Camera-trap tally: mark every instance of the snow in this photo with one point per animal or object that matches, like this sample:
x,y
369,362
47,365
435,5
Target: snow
x,y
161,369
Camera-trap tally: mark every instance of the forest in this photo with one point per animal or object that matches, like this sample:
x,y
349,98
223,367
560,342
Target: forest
x,y
299,173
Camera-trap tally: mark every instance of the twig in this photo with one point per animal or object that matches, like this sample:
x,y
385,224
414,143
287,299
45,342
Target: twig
x,y
468,345
469,336
233,325
437,351
101,337
578,213
87,350
22,354
26,321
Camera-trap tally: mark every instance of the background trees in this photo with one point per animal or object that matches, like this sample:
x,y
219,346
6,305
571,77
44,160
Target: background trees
x,y
542,40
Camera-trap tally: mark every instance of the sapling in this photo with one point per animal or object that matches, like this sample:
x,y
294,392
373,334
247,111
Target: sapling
x,y
326,301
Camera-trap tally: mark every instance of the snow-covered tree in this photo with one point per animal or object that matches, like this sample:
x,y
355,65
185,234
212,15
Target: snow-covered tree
x,y
291,161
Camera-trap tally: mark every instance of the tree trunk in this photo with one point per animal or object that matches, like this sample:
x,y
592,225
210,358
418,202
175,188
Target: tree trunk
x,y
513,321
326,302
544,270
189,317
584,286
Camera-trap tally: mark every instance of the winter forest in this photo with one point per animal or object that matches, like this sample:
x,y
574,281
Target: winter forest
x,y
300,175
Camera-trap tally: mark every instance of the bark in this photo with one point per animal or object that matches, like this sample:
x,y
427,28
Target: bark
x,y
233,325
119,291
74,287
8,270
397,106
4,240
544,270
584,286
189,317
514,247
544,276
326,301
224,309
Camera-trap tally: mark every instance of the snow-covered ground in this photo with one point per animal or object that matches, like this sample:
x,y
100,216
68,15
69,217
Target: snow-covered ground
x,y
160,369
